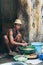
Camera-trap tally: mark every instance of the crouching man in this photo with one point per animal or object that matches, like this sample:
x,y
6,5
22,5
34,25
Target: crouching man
x,y
14,38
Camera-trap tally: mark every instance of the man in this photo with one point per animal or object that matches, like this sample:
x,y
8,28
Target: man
x,y
15,37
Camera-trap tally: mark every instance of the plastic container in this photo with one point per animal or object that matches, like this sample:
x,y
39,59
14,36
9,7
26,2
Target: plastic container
x,y
38,47
40,56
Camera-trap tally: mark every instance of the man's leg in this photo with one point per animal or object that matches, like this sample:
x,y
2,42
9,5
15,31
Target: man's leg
x,y
7,43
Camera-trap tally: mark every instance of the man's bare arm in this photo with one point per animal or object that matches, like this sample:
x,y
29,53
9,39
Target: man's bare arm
x,y
12,39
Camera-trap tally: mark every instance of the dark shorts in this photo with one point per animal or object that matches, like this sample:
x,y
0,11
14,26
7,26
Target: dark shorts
x,y
18,51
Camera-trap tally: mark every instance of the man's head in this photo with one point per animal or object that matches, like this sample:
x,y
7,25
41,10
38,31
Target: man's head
x,y
17,24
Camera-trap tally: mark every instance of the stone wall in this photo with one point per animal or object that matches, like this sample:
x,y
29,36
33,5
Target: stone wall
x,y
31,16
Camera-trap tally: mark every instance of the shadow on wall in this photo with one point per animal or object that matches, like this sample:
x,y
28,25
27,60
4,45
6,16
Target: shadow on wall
x,y
23,15
8,14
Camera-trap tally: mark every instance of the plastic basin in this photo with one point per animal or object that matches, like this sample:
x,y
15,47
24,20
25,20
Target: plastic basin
x,y
38,46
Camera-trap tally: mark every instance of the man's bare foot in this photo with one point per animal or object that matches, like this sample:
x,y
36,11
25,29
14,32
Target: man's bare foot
x,y
2,55
11,52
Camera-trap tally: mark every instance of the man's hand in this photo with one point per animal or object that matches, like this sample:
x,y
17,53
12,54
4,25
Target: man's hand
x,y
24,44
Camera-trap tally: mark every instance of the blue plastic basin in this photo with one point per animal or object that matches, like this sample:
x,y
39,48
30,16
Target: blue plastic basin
x,y
38,47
